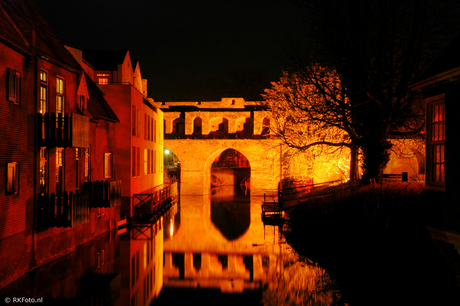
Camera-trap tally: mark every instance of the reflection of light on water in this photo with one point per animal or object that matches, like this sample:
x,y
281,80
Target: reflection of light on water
x,y
171,229
300,283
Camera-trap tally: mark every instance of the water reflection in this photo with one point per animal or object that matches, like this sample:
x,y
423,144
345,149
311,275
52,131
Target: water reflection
x,y
230,211
186,256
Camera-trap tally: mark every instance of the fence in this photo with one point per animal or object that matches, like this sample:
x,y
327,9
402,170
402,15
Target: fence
x,y
63,209
103,193
151,199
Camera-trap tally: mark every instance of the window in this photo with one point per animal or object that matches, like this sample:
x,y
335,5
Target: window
x,y
43,92
436,141
59,95
138,162
154,161
77,168
59,169
138,126
145,126
154,130
107,165
12,182
146,163
134,121
14,86
103,81
87,164
43,169
133,158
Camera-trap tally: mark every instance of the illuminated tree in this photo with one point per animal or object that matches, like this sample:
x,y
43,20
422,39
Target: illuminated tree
x,y
377,48
312,113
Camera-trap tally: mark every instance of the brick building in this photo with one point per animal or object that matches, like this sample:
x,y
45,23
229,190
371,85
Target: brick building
x,y
138,154
56,130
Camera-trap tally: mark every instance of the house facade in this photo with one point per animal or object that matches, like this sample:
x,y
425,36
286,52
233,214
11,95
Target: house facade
x,y
138,154
440,90
56,129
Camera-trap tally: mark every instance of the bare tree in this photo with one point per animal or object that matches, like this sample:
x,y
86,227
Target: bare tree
x,y
312,112
377,49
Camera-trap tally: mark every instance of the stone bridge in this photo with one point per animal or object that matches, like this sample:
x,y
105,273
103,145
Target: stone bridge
x,y
198,132
196,156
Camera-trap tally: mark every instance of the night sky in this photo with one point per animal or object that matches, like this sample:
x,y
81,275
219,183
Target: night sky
x,y
181,45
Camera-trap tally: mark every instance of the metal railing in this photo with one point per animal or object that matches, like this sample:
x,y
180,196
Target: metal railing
x,y
151,200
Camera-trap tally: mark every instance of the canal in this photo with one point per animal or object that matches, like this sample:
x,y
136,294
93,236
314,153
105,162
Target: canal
x,y
211,250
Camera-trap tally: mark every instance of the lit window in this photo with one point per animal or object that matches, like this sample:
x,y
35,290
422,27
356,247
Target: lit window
x,y
436,141
14,85
43,166
77,168
107,165
59,169
12,182
103,74
43,92
103,81
87,172
59,95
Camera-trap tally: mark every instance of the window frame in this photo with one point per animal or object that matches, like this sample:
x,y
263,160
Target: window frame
x,y
432,159
43,95
60,94
107,165
14,86
13,187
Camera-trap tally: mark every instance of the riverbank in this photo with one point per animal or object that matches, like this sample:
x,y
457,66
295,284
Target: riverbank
x,y
373,242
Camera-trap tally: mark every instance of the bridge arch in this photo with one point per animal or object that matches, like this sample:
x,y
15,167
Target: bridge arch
x,y
197,155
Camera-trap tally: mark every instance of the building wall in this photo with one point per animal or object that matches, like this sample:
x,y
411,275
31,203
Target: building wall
x,y
16,145
122,99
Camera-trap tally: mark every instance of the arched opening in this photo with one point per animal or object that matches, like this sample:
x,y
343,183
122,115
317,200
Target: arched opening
x,y
197,128
230,194
178,128
171,166
265,127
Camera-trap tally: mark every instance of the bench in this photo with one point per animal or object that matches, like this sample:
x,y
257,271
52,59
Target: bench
x,y
392,177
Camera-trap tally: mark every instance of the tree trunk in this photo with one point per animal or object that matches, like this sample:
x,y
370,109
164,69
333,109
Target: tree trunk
x,y
354,162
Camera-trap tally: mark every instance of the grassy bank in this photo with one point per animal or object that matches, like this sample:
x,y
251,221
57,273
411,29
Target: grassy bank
x,y
373,241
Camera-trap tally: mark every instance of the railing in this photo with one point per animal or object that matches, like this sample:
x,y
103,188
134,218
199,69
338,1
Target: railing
x,y
231,164
152,199
293,195
103,193
62,209
63,130
55,130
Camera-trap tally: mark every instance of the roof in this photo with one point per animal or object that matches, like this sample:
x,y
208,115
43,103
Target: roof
x,y
36,31
98,107
105,59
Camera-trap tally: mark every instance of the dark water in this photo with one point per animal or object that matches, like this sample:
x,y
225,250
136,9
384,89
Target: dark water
x,y
207,250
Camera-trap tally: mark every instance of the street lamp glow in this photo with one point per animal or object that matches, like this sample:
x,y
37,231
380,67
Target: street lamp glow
x,y
167,151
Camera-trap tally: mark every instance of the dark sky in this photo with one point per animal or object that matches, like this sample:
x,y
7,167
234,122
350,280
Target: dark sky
x,y
181,43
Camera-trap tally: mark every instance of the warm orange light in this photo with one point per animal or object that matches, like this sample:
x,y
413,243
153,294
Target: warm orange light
x,y
171,229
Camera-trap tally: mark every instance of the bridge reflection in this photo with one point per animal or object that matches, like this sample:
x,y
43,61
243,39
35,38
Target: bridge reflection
x,y
221,243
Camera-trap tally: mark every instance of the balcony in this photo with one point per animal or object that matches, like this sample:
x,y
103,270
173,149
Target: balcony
x,y
62,209
103,193
63,130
